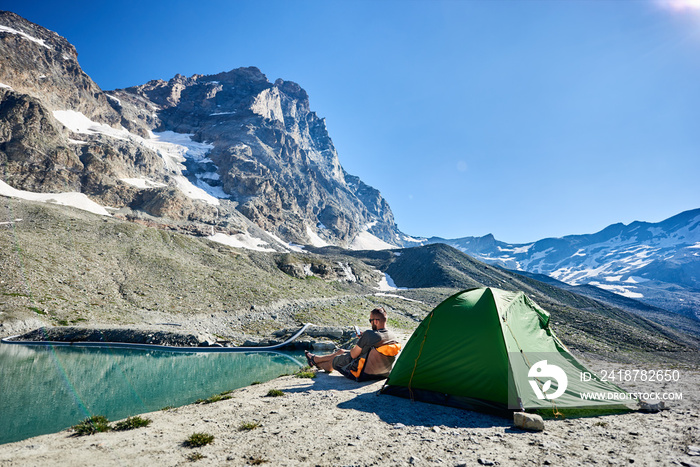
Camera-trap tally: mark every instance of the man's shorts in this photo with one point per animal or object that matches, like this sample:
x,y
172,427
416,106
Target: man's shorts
x,y
341,362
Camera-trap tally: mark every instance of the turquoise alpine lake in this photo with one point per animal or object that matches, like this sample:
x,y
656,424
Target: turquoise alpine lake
x,y
45,389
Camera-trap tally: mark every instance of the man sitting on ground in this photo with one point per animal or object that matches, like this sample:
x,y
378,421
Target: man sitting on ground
x,y
374,353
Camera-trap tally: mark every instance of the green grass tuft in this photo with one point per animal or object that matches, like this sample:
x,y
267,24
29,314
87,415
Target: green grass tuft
x,y
305,374
275,393
195,456
248,426
132,423
36,310
92,425
198,440
215,398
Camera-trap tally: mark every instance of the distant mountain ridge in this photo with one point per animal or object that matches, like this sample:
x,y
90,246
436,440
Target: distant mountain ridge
x,y
657,263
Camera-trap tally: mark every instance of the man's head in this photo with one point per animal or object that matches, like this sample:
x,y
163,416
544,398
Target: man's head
x,y
377,318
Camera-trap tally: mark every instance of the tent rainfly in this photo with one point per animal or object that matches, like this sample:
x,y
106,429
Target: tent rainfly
x,y
492,350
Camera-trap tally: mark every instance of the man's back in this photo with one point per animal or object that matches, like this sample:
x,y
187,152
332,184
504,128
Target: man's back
x,y
379,349
375,338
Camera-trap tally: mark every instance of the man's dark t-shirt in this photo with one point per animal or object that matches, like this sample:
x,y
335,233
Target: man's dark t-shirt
x,y
376,338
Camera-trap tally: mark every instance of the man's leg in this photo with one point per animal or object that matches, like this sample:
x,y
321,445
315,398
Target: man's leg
x,y
325,362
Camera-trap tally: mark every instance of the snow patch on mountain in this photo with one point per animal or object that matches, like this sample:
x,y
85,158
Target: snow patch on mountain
x,y
387,284
77,122
241,240
142,183
367,241
76,200
523,249
348,275
315,239
618,289
287,245
10,30
173,148
416,240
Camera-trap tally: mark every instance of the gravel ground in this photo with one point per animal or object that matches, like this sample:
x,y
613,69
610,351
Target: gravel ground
x,y
330,420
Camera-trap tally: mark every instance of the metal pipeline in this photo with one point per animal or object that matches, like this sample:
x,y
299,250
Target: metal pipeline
x,y
169,348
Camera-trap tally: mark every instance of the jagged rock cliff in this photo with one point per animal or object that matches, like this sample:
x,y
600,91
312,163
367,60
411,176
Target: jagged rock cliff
x,y
272,156
229,153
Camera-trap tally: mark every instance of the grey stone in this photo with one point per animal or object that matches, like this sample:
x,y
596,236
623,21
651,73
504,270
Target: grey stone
x,y
526,421
323,345
645,406
325,331
484,461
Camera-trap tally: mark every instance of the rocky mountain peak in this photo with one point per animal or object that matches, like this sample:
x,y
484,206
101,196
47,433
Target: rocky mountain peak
x,y
270,150
293,90
174,149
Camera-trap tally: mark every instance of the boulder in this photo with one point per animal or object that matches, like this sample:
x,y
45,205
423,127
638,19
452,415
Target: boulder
x,y
324,345
325,331
528,421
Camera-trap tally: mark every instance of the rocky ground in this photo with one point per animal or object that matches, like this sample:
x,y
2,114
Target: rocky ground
x,y
330,420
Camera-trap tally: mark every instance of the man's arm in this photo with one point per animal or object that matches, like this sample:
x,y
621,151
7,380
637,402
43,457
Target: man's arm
x,y
356,351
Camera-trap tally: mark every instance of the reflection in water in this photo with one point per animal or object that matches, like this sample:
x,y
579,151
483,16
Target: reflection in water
x,y
45,389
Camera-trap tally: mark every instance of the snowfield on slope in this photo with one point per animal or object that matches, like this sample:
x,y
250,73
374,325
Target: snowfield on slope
x,y
73,199
173,148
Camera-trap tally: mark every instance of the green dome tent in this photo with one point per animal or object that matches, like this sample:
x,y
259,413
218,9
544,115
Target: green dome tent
x,y
492,350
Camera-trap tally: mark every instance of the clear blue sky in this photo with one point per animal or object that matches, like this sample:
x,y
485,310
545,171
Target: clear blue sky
x,y
526,119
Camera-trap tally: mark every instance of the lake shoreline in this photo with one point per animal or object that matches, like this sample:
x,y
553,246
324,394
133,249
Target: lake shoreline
x,y
158,337
331,420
